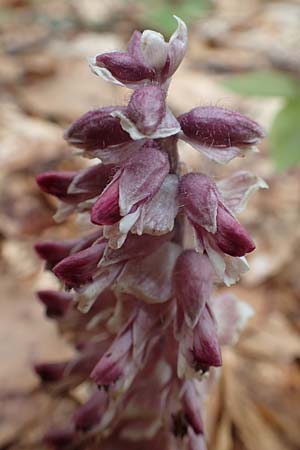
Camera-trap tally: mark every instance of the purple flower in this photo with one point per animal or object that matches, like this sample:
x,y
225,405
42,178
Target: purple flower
x,y
219,133
136,182
148,59
97,129
138,304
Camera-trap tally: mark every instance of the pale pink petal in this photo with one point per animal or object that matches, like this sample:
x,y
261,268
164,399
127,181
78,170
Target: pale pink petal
x,y
228,268
86,296
177,46
154,49
231,315
142,176
149,279
237,189
157,216
134,247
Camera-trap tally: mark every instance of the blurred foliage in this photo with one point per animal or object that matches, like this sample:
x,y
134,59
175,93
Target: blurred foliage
x,y
285,130
159,15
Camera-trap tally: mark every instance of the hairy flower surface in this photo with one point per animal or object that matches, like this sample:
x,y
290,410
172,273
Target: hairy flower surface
x,y
136,304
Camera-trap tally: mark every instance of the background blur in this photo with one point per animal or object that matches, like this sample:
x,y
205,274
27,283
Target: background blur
x,y
243,55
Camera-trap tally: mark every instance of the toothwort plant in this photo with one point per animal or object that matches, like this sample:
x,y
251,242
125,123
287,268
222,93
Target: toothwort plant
x,y
136,303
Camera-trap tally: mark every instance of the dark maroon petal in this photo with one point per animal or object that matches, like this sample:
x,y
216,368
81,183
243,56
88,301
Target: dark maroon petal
x,y
79,268
55,183
124,67
212,126
57,303
90,414
231,237
60,438
192,281
147,108
93,180
97,129
54,251
206,349
106,210
50,372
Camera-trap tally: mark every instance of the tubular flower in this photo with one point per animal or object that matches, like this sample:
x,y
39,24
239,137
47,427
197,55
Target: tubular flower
x,y
136,304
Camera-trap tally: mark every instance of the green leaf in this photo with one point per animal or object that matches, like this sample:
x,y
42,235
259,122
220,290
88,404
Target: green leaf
x,y
265,84
160,16
285,136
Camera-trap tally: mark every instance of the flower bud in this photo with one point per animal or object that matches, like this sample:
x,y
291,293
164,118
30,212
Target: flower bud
x,y
97,129
192,281
57,184
219,133
147,108
57,303
60,438
231,237
199,196
50,372
79,268
212,126
206,349
54,251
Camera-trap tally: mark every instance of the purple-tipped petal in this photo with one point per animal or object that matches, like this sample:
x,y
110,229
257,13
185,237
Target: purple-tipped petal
x,y
147,108
54,251
91,412
79,268
206,349
57,303
50,372
97,129
192,281
106,210
55,183
231,237
112,364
